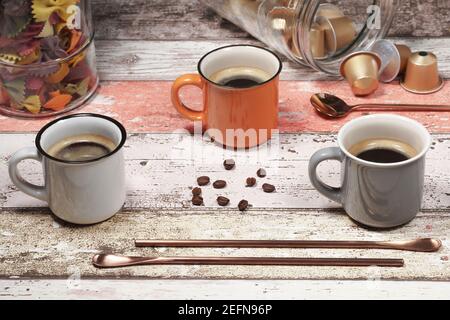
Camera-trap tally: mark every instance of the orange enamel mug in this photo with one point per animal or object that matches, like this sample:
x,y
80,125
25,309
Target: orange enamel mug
x,y
235,117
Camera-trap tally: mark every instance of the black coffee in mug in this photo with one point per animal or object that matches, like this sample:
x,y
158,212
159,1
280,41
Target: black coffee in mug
x,y
81,148
240,77
383,151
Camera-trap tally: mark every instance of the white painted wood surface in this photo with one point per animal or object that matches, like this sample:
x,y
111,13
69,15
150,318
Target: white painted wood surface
x,y
162,168
221,290
166,60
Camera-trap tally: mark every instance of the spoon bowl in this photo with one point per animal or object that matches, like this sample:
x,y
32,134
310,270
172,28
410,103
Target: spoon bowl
x,y
330,105
420,245
116,261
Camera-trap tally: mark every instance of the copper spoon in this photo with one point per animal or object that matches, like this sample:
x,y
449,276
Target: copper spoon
x,y
334,107
419,245
114,261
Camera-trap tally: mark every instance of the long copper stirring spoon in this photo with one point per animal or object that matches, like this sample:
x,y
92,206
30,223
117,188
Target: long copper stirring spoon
x,y
334,107
114,261
418,245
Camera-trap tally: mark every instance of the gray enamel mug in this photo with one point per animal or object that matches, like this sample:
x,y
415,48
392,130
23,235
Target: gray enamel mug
x,y
83,192
378,195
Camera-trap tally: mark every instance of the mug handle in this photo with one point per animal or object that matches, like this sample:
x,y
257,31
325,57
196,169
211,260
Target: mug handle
x,y
186,80
330,192
31,153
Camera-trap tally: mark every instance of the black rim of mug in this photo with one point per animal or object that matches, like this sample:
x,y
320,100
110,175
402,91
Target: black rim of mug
x,y
240,45
81,115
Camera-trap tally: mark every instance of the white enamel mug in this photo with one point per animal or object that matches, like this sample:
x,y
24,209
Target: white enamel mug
x,y
85,192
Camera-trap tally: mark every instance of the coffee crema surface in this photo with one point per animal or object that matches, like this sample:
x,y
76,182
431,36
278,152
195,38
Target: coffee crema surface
x,y
240,77
86,147
383,151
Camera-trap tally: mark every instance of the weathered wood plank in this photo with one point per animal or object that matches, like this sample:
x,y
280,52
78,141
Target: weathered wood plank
x,y
189,19
166,60
33,245
146,107
161,169
221,290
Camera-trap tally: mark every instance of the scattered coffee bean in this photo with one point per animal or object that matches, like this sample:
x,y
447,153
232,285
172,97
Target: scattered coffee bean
x,y
197,191
219,184
222,201
261,173
268,188
197,201
229,164
251,182
203,181
243,205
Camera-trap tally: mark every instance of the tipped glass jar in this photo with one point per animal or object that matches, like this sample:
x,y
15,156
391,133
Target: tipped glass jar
x,y
47,57
314,33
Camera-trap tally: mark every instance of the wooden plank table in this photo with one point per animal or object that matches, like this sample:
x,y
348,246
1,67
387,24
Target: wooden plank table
x,y
43,258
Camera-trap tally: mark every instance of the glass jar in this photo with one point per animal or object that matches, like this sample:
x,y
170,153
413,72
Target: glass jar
x,y
47,57
314,33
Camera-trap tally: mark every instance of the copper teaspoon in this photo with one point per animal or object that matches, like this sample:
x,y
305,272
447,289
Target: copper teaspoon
x,y
114,261
334,107
419,245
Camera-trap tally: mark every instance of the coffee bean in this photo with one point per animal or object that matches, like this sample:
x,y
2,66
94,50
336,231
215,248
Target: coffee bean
x,y
203,181
229,164
219,184
197,191
197,201
251,182
243,205
268,188
261,173
222,201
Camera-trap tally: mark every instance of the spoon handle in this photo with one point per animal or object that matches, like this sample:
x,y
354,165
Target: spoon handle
x,y
419,245
252,261
402,107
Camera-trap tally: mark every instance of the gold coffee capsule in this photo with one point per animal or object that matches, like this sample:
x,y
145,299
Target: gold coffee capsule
x,y
283,20
422,74
361,70
339,32
329,11
405,53
317,39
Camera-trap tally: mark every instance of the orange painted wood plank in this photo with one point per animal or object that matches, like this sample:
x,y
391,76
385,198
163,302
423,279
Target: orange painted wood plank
x,y
144,106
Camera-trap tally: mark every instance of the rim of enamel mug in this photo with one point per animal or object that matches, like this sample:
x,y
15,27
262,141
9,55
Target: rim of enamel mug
x,y
81,115
385,165
199,66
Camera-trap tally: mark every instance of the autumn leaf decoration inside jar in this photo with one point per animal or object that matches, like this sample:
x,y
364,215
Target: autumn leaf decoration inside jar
x,y
47,56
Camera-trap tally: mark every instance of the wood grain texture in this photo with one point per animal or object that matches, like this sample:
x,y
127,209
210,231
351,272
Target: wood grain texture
x,y
54,250
166,60
35,245
189,19
70,289
145,106
162,169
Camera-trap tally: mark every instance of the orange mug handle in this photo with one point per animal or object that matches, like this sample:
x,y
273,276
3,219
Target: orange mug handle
x,y
186,80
